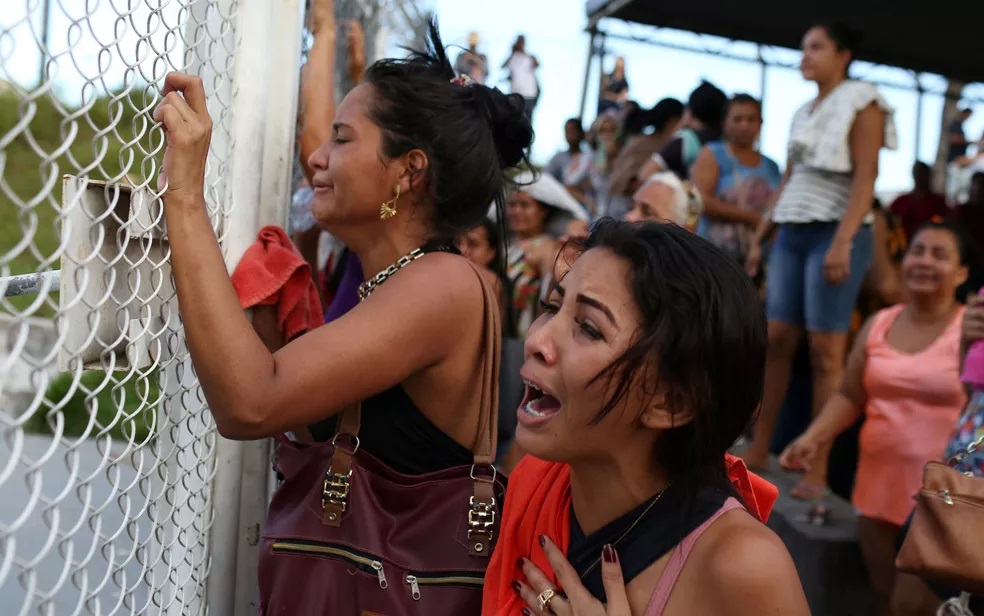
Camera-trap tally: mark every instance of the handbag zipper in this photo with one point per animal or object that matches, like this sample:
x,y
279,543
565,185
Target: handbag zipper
x,y
952,499
446,578
362,562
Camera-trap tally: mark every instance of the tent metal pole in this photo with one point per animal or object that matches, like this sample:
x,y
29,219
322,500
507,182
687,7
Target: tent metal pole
x,y
919,113
764,67
587,72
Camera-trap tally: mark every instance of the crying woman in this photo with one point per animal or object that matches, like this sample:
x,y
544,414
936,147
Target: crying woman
x,y
644,367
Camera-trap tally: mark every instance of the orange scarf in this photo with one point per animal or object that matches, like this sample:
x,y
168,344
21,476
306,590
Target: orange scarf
x,y
539,503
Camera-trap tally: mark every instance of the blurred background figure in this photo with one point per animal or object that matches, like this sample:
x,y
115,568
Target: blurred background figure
x,y
647,131
909,411
614,88
920,205
473,62
664,197
737,181
606,141
522,69
823,247
570,167
700,125
482,245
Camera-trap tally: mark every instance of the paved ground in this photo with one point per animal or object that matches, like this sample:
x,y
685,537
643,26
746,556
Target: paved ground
x,y
96,586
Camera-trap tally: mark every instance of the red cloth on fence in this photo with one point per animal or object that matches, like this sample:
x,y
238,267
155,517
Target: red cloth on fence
x,y
272,272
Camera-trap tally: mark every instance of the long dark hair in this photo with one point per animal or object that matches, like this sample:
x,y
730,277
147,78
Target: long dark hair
x,y
706,103
472,134
701,343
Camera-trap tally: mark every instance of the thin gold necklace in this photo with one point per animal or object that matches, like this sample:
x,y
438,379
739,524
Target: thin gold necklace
x,y
629,529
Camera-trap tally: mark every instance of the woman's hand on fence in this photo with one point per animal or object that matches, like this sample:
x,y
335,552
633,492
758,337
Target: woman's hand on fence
x,y
184,117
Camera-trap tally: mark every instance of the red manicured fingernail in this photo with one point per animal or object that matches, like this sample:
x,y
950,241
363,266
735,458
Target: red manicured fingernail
x,y
526,611
608,553
516,587
520,562
543,540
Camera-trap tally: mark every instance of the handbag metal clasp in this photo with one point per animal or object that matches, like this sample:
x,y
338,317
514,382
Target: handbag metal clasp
x,y
336,489
481,519
945,495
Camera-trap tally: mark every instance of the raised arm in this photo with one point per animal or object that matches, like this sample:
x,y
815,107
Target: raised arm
x,y
252,392
318,83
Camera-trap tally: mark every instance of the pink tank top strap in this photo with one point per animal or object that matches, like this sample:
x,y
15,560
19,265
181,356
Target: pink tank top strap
x,y
678,559
881,323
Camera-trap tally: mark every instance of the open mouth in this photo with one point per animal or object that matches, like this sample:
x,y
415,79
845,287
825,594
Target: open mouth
x,y
538,403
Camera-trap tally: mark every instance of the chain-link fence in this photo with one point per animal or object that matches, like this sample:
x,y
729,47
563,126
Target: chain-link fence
x,y
112,477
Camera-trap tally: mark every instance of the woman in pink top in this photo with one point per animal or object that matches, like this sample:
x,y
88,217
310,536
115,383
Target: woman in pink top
x,y
904,375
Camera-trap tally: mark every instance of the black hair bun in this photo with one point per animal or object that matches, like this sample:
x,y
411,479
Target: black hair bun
x,y
511,129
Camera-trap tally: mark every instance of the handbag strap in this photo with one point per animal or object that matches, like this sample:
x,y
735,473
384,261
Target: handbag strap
x,y
482,506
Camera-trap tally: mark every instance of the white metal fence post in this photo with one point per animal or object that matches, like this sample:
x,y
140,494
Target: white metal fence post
x,y
264,107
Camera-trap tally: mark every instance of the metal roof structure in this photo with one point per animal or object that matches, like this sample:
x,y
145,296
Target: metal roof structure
x,y
942,38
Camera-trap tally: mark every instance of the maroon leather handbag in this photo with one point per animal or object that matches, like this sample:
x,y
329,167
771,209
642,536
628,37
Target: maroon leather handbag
x,y
345,534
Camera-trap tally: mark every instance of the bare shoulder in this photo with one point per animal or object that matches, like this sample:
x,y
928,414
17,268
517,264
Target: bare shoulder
x,y
705,156
747,569
438,287
437,274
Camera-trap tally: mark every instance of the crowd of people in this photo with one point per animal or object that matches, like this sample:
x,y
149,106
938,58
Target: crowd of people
x,y
653,286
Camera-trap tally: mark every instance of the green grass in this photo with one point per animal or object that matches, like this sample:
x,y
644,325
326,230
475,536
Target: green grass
x,y
32,209
126,411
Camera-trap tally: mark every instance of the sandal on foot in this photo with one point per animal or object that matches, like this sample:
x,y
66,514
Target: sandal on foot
x,y
818,515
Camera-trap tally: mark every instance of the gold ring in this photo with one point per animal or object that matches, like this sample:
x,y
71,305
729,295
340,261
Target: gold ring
x,y
545,598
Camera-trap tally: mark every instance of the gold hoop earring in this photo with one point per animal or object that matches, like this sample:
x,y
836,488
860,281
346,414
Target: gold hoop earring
x,y
388,209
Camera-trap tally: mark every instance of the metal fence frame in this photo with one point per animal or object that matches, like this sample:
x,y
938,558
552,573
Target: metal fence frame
x,y
208,522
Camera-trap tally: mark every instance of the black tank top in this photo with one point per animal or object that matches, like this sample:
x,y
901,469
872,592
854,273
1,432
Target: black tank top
x,y
396,432
646,539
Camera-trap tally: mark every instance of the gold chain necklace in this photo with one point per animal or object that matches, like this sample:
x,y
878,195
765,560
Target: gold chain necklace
x,y
367,287
629,529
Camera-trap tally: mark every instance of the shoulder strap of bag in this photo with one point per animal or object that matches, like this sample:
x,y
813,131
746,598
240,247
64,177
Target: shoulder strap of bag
x,y
482,508
485,441
481,514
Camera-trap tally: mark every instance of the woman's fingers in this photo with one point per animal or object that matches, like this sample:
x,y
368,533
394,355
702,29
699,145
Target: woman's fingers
x,y
168,116
191,87
567,576
614,583
174,100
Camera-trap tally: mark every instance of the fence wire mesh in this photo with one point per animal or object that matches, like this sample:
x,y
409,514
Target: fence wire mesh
x,y
106,446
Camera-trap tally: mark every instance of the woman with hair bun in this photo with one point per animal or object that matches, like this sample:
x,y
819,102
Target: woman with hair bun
x,y
415,156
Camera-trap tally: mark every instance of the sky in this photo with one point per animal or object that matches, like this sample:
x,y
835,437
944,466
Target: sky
x,y
555,34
